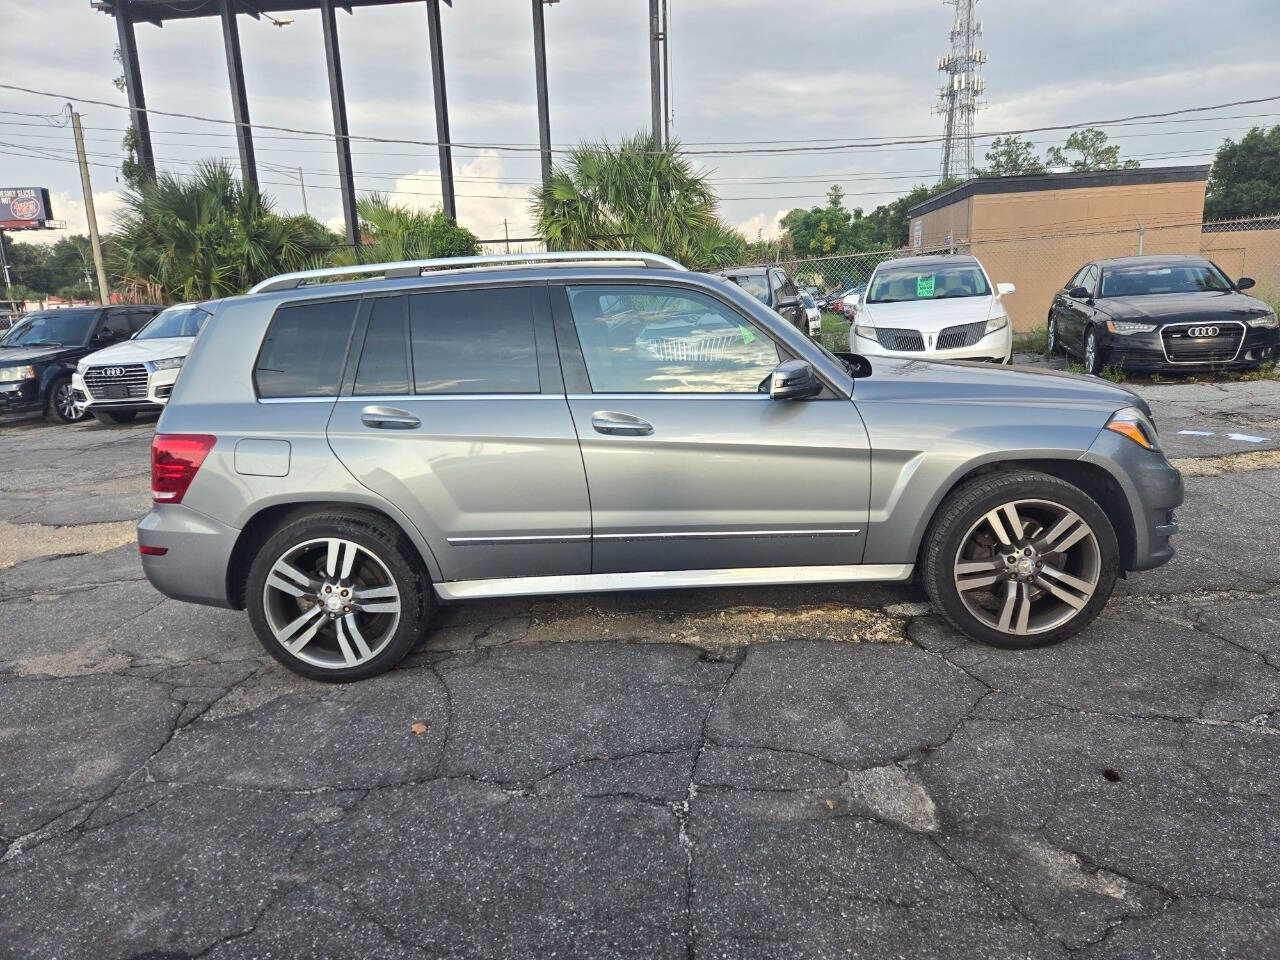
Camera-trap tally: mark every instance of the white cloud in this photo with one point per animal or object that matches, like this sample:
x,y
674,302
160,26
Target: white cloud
x,y
762,225
70,207
483,203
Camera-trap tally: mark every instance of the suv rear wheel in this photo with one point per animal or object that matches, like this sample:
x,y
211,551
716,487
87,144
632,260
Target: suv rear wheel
x,y
1020,559
336,597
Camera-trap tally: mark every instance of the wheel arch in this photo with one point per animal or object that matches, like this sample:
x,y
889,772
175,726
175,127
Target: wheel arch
x,y
270,518
1093,479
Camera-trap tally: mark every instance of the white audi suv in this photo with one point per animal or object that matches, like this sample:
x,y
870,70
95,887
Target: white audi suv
x,y
118,383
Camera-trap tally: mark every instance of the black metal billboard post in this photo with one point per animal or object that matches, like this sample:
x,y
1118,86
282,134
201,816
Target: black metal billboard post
x,y
133,88
338,100
239,100
442,108
540,75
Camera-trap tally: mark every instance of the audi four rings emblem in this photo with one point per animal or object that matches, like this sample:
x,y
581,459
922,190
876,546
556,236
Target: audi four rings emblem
x,y
113,371
1202,332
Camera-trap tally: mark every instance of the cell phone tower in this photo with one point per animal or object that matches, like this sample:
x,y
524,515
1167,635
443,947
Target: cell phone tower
x,y
959,98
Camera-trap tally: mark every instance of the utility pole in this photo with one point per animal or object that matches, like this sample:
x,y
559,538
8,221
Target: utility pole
x,y
4,268
666,78
655,73
104,294
302,185
506,233
540,83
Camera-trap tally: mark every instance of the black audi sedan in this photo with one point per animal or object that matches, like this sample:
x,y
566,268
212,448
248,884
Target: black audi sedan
x,y
38,356
1172,313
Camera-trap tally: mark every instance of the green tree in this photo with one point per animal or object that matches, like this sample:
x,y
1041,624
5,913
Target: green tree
x,y
205,236
1010,156
820,231
633,196
1091,153
890,225
393,232
1245,178
131,165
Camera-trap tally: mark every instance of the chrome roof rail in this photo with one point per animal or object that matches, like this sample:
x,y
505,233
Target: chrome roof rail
x,y
414,268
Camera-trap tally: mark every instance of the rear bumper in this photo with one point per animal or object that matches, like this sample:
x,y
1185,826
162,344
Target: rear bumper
x,y
197,554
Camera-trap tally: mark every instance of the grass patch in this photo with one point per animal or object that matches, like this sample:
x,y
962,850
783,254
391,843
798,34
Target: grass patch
x,y
835,332
1032,341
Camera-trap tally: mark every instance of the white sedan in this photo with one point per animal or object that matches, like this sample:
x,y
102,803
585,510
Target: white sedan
x,y
933,308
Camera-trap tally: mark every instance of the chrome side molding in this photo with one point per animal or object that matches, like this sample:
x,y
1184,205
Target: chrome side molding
x,y
662,580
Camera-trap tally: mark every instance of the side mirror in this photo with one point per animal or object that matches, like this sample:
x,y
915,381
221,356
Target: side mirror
x,y
1004,289
1078,293
793,380
1244,283
786,303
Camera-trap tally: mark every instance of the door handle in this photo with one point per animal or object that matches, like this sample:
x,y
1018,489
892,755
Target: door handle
x,y
620,424
388,418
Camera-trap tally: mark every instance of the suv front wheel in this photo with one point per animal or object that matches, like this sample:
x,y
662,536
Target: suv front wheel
x,y
337,598
1020,559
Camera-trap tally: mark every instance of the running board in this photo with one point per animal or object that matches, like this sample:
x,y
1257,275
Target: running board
x,y
668,580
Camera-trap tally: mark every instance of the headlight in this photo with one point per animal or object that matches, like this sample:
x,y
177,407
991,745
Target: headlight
x,y
17,373
169,363
1126,327
996,323
1267,321
81,367
1133,423
865,332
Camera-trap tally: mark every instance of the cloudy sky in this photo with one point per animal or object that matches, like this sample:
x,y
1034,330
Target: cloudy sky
x,y
742,71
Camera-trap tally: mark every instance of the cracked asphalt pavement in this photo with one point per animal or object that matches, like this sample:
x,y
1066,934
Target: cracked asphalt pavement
x,y
783,772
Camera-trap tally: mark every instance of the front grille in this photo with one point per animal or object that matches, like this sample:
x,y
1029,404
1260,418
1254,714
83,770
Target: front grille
x,y
1181,347
963,335
897,338
122,381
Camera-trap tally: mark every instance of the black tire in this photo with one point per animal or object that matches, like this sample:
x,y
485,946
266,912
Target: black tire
x,y
113,416
966,507
1094,359
1052,344
396,554
59,405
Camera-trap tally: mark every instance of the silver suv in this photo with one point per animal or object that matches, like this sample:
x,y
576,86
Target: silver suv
x,y
339,456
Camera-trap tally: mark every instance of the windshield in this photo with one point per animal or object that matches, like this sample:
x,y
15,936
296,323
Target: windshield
x,y
184,320
755,284
808,300
1179,278
52,328
936,281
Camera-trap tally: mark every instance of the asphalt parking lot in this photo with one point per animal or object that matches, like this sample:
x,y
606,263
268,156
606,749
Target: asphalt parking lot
x,y
800,772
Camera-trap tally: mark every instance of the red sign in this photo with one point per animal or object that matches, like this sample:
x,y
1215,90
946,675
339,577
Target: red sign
x,y
24,208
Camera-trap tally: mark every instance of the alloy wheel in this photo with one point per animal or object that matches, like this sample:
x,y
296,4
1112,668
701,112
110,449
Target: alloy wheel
x,y
1051,340
331,603
1090,351
1027,567
64,400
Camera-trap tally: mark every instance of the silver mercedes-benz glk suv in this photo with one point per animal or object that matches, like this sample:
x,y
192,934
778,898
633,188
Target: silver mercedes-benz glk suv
x,y
345,448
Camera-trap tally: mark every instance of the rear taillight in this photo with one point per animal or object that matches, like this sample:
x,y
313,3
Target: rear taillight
x,y
175,458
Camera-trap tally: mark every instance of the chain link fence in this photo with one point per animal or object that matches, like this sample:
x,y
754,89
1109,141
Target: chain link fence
x,y
1038,263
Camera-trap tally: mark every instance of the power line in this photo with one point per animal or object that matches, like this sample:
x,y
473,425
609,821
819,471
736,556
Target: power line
x,y
808,147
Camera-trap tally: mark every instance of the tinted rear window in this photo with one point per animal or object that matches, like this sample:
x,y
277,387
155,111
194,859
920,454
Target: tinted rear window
x,y
305,347
384,362
474,341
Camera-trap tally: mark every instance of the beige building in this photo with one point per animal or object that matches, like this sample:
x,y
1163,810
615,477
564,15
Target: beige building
x,y
1037,230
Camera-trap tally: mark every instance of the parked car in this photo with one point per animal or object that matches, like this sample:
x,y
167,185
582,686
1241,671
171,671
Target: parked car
x,y
772,287
39,355
118,383
1162,313
933,308
338,457
812,314
849,302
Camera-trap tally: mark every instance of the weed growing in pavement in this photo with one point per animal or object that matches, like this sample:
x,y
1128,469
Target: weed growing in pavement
x,y
1033,341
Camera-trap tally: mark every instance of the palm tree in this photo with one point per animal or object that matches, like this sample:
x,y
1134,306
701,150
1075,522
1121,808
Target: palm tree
x,y
392,232
204,236
637,195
